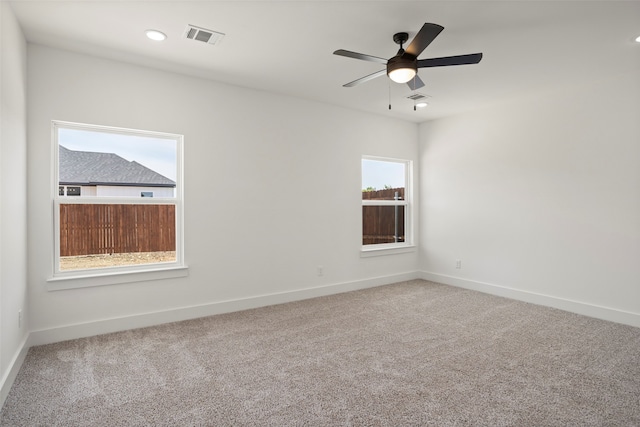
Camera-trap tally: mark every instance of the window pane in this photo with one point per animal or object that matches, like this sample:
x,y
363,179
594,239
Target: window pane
x,y
106,164
115,235
73,191
383,180
382,224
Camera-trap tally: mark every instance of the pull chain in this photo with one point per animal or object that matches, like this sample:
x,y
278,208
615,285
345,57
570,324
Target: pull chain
x,y
414,88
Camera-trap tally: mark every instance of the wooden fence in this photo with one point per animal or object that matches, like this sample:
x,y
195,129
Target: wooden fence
x,y
382,224
107,229
386,194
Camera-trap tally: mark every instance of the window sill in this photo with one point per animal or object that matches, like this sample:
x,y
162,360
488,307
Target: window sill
x,y
88,279
381,250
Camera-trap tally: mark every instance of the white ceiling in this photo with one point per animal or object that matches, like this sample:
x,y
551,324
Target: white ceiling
x,y
529,47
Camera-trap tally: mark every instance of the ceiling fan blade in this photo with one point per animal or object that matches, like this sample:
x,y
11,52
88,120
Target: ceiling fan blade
x,y
366,78
472,58
425,36
361,56
415,83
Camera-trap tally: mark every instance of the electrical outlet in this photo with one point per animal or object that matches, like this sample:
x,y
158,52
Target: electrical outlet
x,y
458,264
19,319
320,271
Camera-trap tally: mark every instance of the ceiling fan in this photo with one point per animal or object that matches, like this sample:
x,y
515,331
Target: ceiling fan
x,y
403,67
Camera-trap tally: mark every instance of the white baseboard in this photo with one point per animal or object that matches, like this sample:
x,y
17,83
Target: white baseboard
x,y
14,367
69,332
599,312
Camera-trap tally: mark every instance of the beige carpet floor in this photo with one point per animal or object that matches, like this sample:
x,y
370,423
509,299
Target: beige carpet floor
x,y
415,353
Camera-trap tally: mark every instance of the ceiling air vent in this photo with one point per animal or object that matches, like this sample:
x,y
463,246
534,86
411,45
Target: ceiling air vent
x,y
419,100
417,96
203,35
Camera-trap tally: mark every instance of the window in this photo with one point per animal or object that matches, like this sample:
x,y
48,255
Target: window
x,y
125,215
69,191
73,191
385,203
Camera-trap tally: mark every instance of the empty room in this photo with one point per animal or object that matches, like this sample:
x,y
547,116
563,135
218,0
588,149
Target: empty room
x,y
359,213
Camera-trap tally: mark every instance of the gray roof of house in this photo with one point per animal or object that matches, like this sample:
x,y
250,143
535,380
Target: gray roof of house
x,y
89,168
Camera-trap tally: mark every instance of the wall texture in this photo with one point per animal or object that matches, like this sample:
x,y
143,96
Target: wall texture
x,y
272,189
540,196
13,196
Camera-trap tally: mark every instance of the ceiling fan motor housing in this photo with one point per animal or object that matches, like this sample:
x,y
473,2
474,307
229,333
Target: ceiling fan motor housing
x,y
401,61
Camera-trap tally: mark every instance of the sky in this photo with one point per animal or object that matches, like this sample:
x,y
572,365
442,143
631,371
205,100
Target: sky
x,y
157,154
377,174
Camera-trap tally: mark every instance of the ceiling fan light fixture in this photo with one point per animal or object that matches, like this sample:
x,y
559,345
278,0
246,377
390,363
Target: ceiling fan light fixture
x,y
401,70
402,75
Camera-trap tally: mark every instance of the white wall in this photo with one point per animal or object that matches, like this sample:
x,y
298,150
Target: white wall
x,y
541,197
272,189
13,197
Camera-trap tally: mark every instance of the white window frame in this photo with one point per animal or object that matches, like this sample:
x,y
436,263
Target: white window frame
x,y
69,279
397,247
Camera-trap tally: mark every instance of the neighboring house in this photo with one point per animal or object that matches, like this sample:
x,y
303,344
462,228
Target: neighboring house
x,y
107,174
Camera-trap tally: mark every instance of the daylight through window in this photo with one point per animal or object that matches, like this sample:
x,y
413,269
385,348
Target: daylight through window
x,y
117,198
385,202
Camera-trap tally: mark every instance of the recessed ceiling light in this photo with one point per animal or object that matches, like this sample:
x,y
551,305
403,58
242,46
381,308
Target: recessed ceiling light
x,y
638,39
421,104
156,35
